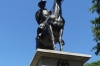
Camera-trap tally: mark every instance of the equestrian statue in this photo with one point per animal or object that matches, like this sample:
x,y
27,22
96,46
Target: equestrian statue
x,y
51,26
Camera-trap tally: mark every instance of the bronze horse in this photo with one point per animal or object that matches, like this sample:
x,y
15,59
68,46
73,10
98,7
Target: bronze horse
x,y
53,29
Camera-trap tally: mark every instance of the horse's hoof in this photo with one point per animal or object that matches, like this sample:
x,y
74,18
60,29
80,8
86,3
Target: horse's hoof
x,y
63,43
54,49
61,49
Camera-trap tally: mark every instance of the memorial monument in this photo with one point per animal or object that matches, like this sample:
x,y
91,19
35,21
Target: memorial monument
x,y
49,32
51,25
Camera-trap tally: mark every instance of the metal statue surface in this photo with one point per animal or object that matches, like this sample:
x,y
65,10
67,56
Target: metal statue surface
x,y
51,25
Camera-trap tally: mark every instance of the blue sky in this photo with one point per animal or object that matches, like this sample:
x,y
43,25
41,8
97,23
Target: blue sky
x,y
18,30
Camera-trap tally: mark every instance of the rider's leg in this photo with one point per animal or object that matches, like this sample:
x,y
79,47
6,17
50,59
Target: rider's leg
x,y
39,31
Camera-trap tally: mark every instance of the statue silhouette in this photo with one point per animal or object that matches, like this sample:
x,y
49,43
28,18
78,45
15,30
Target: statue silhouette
x,y
51,25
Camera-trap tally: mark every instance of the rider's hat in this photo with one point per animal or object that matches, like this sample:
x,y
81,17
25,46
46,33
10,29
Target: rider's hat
x,y
42,3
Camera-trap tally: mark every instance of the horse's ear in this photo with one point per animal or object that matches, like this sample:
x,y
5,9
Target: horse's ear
x,y
50,12
62,0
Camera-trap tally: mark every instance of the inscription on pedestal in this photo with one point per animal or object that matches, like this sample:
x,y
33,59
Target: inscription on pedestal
x,y
62,63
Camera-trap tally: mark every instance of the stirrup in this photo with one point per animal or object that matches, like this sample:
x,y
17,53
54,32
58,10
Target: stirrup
x,y
38,38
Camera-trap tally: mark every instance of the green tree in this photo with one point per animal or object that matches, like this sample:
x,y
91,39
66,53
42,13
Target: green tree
x,y
96,25
96,63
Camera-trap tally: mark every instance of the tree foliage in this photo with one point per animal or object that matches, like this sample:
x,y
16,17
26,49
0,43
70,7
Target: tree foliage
x,y
96,25
96,63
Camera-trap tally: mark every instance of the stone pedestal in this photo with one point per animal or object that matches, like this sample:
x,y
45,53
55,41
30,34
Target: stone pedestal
x,y
58,58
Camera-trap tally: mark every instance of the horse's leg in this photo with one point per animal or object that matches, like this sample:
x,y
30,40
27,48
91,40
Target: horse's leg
x,y
60,39
52,37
